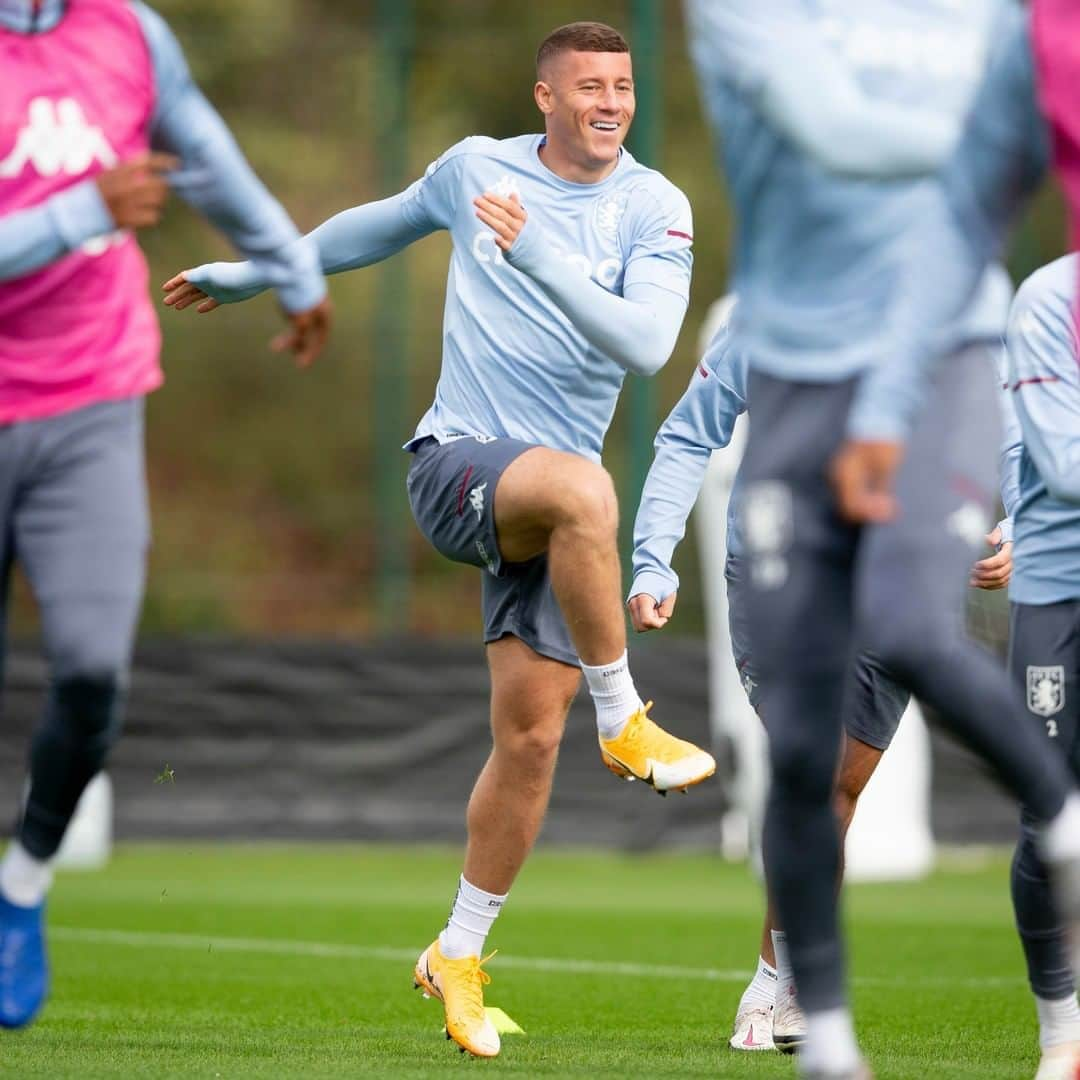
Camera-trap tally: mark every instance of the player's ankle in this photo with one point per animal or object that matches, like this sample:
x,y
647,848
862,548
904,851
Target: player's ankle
x,y
24,878
614,695
471,917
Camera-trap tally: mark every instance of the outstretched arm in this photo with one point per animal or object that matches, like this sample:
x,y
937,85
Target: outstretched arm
x,y
357,237
637,330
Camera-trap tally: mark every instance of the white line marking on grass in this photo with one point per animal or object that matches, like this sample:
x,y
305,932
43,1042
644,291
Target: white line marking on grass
x,y
562,965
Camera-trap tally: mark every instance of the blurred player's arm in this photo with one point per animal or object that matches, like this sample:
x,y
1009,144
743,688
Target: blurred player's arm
x,y
775,56
637,330
701,422
998,164
216,178
1044,375
994,571
128,196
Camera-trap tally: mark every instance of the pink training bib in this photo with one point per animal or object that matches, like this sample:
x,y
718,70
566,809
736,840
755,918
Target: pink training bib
x,y
1056,33
76,100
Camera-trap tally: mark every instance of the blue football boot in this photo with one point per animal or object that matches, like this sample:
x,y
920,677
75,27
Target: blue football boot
x,y
24,969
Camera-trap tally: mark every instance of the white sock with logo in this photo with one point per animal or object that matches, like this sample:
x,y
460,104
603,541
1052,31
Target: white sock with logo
x,y
613,694
761,992
24,879
1059,1021
830,1045
785,977
471,919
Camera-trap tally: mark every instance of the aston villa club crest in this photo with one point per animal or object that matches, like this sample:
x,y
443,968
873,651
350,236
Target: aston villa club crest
x,y
1046,689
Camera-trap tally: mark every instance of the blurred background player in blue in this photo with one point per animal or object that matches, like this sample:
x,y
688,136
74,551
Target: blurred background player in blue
x,y
1041,491
92,89
571,266
810,110
768,1015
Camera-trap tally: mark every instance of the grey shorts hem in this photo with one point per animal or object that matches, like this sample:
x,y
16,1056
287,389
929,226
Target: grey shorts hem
x,y
872,737
541,648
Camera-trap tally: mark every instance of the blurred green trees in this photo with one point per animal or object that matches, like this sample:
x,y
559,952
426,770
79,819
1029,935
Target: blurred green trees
x,y
261,477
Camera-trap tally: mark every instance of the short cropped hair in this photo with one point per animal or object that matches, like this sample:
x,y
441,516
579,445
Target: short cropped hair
x,y
580,37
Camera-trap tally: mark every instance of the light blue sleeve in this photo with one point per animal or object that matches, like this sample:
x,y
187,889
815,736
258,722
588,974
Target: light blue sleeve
x,y
773,54
360,236
1044,375
1012,448
998,163
357,237
659,240
637,330
701,422
33,238
216,178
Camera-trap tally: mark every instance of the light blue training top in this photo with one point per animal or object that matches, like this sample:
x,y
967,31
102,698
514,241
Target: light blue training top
x,y
814,102
537,341
214,176
1041,452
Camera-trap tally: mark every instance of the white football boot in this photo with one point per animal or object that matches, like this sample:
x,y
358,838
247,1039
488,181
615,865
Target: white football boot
x,y
1060,1062
753,1029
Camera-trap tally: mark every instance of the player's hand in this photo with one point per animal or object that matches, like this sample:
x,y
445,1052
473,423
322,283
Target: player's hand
x,y
994,571
862,474
181,293
307,333
505,217
135,190
647,614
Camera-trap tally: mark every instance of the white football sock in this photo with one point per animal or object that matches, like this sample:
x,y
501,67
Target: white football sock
x,y
471,918
1059,1021
613,694
24,880
1061,837
830,1042
761,992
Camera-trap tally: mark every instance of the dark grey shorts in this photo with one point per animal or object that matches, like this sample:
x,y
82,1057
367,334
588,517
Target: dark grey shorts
x,y
874,702
452,495
1044,658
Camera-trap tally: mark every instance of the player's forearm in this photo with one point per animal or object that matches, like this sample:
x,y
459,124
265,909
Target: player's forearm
x,y
824,113
670,491
638,331
34,238
357,237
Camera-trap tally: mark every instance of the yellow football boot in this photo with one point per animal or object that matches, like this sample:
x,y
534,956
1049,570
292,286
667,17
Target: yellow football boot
x,y
459,985
645,751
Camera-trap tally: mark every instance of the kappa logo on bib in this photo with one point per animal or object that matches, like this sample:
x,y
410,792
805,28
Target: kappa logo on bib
x,y
57,139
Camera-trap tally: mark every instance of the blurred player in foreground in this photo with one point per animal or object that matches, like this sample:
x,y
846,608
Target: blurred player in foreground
x,y
1041,490
768,1016
92,89
571,266
879,89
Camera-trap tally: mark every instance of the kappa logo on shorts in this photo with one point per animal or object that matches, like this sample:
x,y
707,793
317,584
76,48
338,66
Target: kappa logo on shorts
x,y
476,500
1046,689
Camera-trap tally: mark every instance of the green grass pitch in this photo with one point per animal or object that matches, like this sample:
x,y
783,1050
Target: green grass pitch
x,y
282,961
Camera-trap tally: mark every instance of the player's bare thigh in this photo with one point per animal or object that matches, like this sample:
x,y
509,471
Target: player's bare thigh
x,y
544,489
